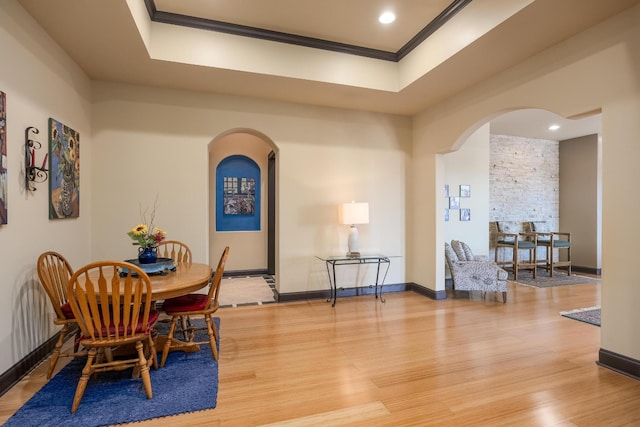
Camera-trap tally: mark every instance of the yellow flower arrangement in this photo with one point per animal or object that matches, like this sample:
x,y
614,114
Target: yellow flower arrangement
x,y
147,236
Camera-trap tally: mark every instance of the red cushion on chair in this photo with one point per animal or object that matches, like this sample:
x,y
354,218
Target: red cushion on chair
x,y
140,327
66,310
191,302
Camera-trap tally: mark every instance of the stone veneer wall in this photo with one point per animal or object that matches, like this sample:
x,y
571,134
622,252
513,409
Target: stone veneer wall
x,y
523,181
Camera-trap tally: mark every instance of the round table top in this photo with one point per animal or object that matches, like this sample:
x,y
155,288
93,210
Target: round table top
x,y
186,279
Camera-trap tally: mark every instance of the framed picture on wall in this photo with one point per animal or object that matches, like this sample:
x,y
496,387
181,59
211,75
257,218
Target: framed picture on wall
x,y
446,190
446,214
465,191
64,171
465,214
454,202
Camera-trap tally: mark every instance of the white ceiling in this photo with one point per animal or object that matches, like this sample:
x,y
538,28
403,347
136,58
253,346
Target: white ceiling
x,y
534,123
103,39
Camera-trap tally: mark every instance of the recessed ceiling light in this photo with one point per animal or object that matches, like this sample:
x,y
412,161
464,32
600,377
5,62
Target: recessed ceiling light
x,y
387,18
554,127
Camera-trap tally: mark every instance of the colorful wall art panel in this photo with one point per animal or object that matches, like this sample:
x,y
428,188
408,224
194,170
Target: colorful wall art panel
x,y
64,171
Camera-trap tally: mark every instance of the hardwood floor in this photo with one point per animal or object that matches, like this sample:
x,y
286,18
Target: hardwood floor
x,y
411,361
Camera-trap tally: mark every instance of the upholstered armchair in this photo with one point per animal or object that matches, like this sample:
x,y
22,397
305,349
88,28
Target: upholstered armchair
x,y
473,273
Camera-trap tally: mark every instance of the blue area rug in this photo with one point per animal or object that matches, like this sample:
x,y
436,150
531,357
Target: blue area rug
x,y
187,383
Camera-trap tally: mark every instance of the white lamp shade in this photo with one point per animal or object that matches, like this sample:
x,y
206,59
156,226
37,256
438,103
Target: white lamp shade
x,y
354,213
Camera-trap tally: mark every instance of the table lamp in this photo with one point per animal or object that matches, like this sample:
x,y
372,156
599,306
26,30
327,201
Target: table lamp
x,y
352,214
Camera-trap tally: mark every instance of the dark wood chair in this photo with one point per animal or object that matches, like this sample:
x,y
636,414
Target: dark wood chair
x,y
511,236
551,240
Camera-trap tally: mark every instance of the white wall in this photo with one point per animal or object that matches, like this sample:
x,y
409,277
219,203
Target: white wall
x,y
40,82
595,69
470,166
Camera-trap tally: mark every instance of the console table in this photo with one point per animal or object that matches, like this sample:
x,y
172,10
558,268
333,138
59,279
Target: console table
x,y
332,261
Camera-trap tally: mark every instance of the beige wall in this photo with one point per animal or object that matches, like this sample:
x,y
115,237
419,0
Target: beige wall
x,y
40,82
596,69
579,199
325,157
470,166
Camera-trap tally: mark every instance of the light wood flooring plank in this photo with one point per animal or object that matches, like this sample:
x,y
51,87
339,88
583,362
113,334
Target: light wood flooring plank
x,y
411,361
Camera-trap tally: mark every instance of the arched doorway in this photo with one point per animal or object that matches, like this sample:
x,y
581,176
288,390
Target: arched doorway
x,y
254,246
520,178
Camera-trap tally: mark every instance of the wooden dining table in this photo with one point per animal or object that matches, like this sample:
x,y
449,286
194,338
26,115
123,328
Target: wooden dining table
x,y
188,277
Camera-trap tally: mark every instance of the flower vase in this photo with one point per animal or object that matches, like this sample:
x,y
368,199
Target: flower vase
x,y
147,255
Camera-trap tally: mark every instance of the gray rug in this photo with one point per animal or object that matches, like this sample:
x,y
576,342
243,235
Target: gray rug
x,y
542,280
589,315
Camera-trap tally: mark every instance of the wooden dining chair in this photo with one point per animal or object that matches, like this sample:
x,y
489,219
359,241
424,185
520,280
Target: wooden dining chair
x,y
54,272
190,305
106,325
180,253
176,250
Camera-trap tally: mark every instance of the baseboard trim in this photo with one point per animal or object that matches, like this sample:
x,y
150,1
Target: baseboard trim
x,y
236,273
619,363
588,270
429,293
14,374
368,290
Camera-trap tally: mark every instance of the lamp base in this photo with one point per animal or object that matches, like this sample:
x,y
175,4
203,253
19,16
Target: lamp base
x,y
353,254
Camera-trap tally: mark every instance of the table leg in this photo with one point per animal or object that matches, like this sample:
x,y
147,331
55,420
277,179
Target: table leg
x,y
178,345
332,283
377,281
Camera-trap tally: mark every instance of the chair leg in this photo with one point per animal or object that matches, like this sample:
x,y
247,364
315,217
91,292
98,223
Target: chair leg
x,y
153,354
76,342
56,352
212,340
82,383
192,330
167,344
504,297
515,263
144,370
215,333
